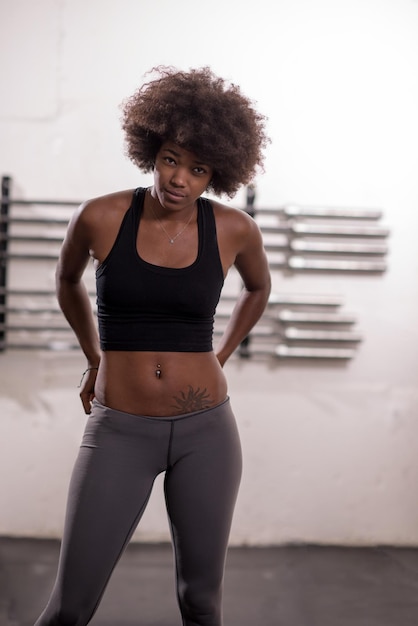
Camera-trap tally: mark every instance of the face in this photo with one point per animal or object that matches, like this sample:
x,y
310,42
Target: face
x,y
180,177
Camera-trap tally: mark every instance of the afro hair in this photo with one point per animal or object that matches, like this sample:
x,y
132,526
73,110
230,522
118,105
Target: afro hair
x,y
201,113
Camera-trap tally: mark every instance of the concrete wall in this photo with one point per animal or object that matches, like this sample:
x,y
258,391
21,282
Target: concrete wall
x,y
331,452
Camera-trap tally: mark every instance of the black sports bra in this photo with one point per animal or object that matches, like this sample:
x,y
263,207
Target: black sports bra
x,y
147,307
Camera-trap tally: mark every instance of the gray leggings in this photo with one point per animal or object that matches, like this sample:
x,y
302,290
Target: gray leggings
x,y
120,456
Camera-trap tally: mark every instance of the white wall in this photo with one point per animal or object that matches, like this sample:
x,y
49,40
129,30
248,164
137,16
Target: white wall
x,y
331,453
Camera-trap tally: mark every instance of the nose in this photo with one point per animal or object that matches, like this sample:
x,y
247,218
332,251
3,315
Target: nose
x,y
178,177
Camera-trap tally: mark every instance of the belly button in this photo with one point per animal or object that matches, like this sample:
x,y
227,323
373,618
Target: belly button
x,y
158,371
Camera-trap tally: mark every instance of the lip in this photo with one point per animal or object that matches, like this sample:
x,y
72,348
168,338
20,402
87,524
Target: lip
x,y
174,194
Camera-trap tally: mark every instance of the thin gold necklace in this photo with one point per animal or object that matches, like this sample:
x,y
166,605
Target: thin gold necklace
x,y
171,239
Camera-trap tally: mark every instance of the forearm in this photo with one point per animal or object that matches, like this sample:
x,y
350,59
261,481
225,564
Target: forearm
x,y
246,313
76,306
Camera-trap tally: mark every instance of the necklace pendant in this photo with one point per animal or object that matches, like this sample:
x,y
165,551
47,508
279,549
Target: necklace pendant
x,y
171,240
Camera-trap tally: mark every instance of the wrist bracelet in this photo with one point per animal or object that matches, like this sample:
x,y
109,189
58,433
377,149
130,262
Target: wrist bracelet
x,y
85,372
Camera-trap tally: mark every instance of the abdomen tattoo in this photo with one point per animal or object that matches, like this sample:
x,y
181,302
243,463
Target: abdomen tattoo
x,y
193,400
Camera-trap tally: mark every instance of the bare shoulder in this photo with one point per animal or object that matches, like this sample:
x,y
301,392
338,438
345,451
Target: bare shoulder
x,y
239,238
235,224
233,219
104,208
95,224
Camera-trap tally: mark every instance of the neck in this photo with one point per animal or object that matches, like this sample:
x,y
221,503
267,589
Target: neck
x,y
159,211
180,227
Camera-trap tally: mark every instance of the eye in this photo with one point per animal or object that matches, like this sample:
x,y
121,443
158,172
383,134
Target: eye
x,y
199,170
169,160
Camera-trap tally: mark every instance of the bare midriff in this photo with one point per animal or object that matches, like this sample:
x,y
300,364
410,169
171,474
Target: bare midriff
x,y
160,384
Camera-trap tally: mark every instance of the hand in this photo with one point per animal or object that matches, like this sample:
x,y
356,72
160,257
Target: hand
x,y
87,388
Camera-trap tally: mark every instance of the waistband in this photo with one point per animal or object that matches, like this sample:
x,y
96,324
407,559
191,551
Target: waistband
x,y
165,418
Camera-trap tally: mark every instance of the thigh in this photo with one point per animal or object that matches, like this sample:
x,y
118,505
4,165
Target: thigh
x,y
201,488
109,489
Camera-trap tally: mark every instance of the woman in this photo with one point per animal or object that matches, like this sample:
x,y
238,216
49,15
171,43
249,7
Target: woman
x,y
154,388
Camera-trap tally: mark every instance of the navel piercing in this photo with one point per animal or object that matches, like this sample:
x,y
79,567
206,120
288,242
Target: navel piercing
x,y
158,371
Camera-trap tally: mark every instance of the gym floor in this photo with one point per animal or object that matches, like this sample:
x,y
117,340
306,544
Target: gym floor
x,y
278,586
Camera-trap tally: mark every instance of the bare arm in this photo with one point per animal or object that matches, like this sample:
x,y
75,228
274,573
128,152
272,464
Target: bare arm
x,y
74,300
251,263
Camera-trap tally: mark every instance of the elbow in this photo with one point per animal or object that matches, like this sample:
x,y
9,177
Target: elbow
x,y
60,280
65,277
65,286
265,288
264,292
259,294
268,285
262,287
